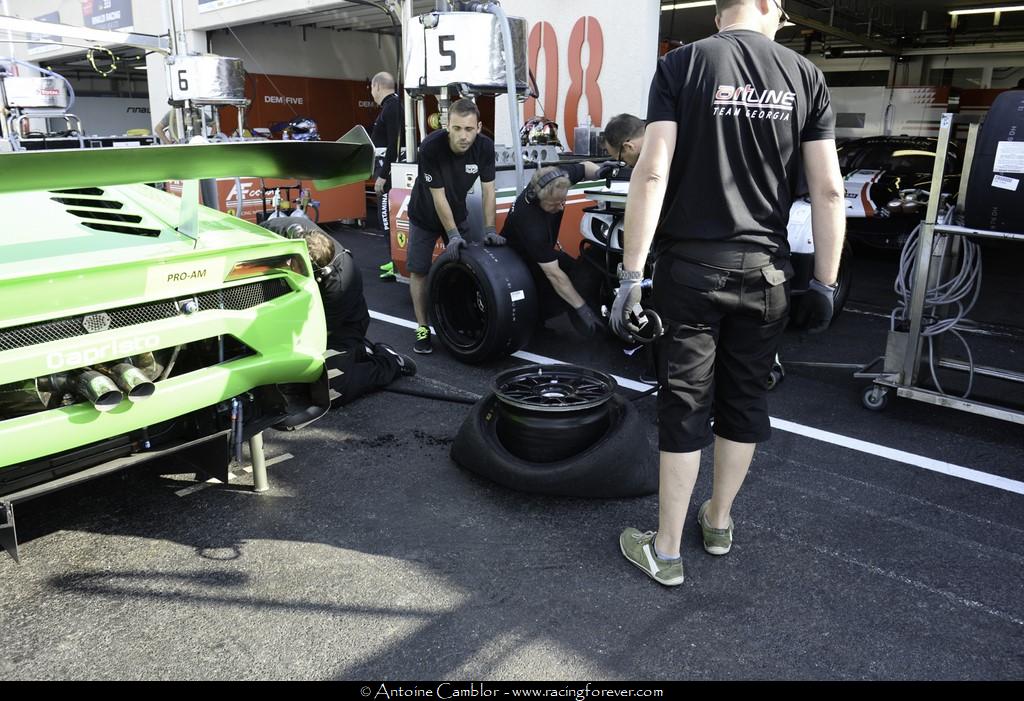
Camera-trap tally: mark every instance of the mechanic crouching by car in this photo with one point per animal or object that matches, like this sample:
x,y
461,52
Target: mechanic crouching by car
x,y
365,366
531,229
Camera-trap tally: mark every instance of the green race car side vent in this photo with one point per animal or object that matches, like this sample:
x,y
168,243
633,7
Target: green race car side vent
x,y
327,163
102,214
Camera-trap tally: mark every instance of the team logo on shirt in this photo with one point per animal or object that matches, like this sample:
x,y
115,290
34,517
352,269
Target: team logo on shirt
x,y
736,100
426,176
472,168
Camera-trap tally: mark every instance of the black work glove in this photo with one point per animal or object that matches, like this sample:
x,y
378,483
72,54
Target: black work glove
x,y
625,309
491,237
816,307
455,244
585,321
609,169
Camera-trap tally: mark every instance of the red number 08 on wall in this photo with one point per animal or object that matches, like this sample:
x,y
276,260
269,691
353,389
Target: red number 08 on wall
x,y
587,30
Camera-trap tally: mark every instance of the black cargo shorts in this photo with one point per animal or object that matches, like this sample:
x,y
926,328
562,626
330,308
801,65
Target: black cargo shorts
x,y
722,331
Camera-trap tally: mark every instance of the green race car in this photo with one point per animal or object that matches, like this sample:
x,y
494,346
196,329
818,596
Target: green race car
x,y
134,323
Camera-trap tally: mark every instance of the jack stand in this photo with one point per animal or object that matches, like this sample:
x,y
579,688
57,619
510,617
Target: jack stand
x,y
259,464
8,533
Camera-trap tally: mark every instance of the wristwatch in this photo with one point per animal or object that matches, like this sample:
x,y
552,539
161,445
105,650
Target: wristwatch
x,y
629,275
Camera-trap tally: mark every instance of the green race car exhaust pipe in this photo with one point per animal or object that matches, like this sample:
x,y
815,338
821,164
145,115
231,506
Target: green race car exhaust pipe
x,y
95,387
132,381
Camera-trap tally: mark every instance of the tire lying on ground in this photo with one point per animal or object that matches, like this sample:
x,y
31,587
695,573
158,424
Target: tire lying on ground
x,y
484,305
592,449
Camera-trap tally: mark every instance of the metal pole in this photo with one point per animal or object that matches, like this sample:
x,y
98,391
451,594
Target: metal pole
x,y
410,123
175,45
924,256
10,34
259,464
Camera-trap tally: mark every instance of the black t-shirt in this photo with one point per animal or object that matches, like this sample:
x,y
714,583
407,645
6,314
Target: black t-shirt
x,y
344,304
439,167
530,230
387,133
744,104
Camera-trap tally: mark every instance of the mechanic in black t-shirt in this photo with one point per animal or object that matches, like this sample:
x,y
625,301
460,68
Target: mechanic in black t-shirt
x,y
450,161
531,228
623,138
386,134
730,120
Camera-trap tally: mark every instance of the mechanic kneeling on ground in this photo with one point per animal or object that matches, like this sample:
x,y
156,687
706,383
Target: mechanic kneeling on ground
x,y
364,366
531,229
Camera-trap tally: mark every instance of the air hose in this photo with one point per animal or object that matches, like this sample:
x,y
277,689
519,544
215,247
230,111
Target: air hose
x,y
961,291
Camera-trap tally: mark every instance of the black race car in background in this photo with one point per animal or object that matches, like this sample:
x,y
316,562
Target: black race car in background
x,y
887,183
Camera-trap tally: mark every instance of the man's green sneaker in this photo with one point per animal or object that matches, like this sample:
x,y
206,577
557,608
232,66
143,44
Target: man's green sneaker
x,y
717,541
638,548
423,344
388,267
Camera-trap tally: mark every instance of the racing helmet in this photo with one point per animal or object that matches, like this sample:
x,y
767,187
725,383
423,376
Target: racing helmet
x,y
539,131
303,129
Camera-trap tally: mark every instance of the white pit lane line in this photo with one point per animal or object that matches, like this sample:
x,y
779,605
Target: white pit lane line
x,y
901,456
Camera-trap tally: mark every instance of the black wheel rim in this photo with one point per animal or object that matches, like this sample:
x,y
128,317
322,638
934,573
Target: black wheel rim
x,y
461,313
554,388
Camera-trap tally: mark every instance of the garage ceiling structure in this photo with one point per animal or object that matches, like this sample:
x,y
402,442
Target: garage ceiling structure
x,y
840,27
884,27
361,16
357,15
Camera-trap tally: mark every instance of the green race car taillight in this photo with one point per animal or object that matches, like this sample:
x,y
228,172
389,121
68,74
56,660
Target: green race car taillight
x,y
265,266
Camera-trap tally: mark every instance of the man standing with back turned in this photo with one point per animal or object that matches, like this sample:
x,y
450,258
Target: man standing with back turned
x,y
730,119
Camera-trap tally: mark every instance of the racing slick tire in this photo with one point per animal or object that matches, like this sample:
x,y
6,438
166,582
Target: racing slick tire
x,y
484,305
993,199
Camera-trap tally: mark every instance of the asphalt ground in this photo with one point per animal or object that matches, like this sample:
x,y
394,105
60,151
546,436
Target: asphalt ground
x,y
373,557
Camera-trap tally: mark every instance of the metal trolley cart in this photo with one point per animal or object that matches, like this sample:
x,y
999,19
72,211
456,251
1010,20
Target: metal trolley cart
x,y
23,99
939,250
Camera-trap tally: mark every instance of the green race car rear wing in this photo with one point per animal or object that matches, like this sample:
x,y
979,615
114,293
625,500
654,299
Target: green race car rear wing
x,y
327,163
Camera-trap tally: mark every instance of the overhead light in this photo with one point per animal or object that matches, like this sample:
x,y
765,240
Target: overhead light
x,y
987,10
687,5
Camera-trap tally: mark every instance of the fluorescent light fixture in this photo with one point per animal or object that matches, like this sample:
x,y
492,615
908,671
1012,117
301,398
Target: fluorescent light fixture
x,y
987,10
687,5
